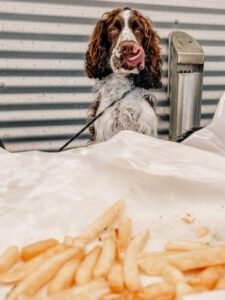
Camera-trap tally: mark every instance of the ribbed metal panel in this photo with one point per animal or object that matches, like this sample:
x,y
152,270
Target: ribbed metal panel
x,y
44,94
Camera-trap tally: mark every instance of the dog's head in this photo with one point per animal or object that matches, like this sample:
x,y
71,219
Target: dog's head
x,y
124,42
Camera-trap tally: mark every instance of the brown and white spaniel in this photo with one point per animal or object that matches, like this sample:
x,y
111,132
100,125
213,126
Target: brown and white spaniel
x,y
124,55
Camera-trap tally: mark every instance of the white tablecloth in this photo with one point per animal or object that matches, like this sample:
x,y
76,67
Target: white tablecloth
x,y
46,195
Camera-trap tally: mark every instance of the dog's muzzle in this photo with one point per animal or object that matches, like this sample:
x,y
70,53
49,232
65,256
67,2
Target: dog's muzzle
x,y
129,57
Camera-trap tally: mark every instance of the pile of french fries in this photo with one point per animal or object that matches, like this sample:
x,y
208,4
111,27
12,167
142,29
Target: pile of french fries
x,y
106,263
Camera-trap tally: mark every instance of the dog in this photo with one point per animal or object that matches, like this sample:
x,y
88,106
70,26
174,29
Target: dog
x,y
123,56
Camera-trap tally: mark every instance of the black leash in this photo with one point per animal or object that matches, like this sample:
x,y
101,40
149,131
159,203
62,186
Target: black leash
x,y
92,121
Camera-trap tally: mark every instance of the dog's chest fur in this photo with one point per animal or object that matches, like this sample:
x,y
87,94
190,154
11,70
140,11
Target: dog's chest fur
x,y
133,112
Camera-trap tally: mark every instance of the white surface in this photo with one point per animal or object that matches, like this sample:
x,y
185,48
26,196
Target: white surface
x,y
212,137
46,195
212,295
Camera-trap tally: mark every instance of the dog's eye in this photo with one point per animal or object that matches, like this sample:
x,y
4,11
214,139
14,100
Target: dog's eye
x,y
138,29
114,30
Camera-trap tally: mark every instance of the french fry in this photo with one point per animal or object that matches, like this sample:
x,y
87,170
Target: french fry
x,y
221,282
124,296
183,289
112,296
152,263
102,223
106,259
131,272
172,275
85,270
154,255
139,241
65,278
123,233
157,291
9,257
207,277
115,278
90,288
176,278
152,269
22,271
43,274
185,246
130,266
197,259
93,290
68,240
30,251
199,288
78,242
90,295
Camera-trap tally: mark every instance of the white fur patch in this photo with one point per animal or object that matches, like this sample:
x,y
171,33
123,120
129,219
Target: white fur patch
x,y
126,34
133,112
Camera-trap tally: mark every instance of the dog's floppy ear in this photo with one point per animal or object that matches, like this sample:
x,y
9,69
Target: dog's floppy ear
x,y
153,58
97,60
150,76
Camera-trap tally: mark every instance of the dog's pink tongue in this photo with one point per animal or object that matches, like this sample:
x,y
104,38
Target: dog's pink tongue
x,y
138,58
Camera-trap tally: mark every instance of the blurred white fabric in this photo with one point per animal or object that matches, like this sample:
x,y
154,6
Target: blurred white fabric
x,y
212,137
50,195
211,295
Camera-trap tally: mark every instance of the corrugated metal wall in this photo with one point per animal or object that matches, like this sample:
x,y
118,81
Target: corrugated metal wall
x,y
44,94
